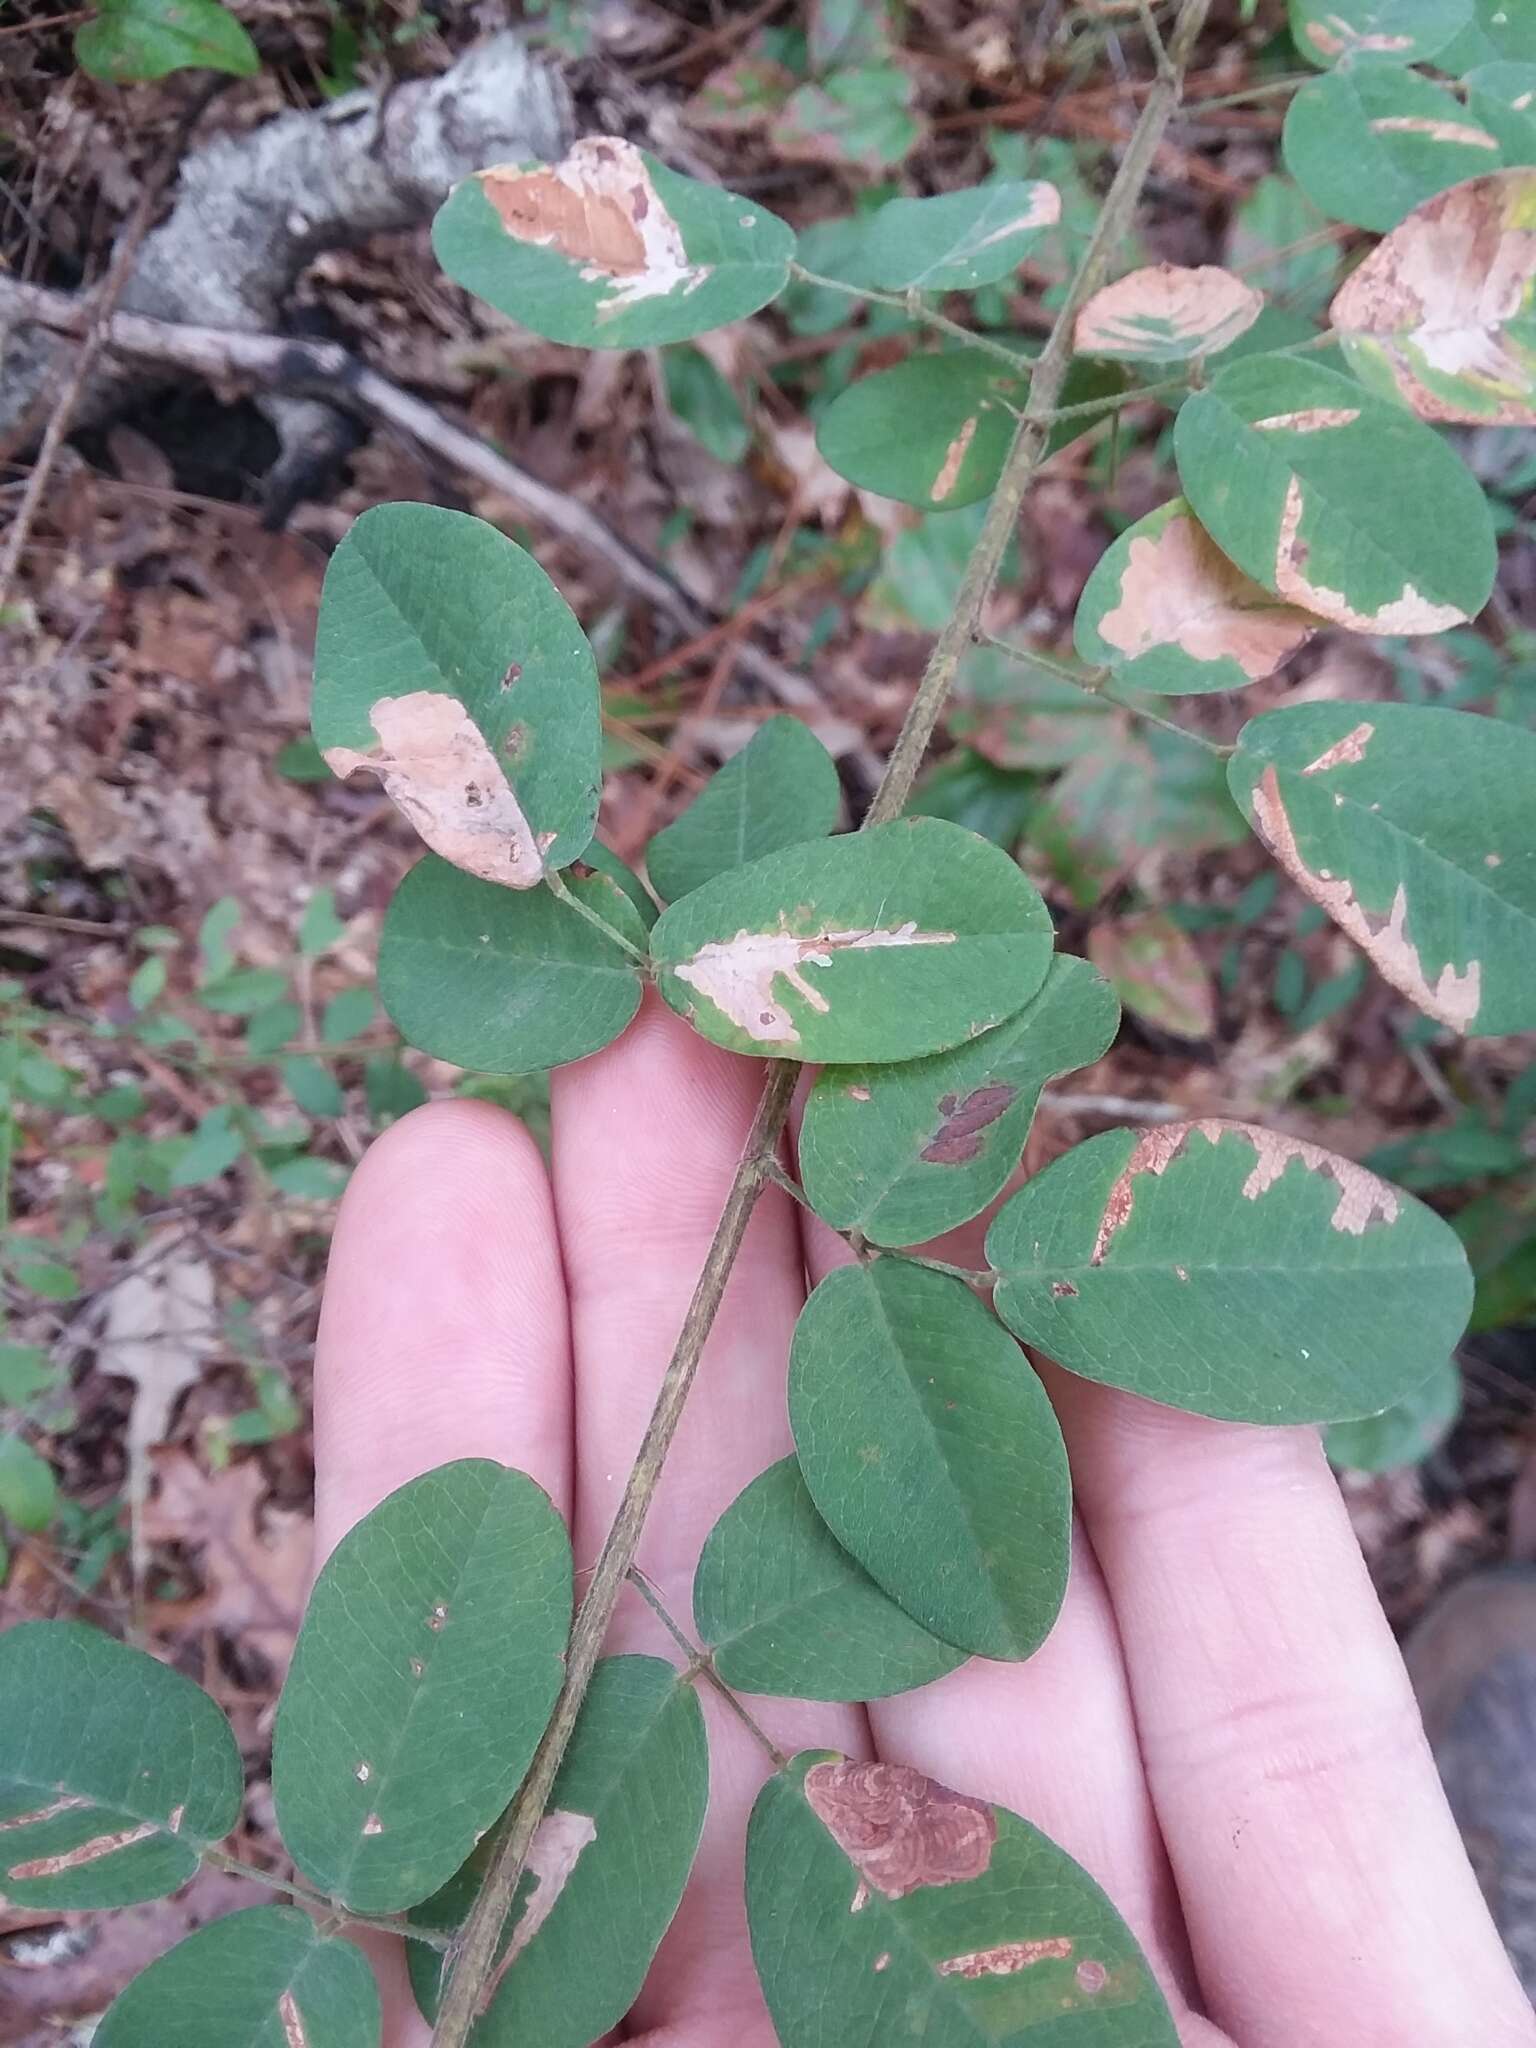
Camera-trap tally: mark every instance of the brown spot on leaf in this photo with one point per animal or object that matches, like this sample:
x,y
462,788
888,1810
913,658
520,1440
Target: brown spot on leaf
x,y
84,1852
1007,1958
899,1829
363,1773
1434,129
1363,1200
1091,1976
1179,590
175,1818
1202,310
67,1804
964,1118
437,1620
435,763
288,2012
1408,612
737,975
1333,36
1350,749
599,208
514,671
373,1825
954,460
858,1093
1063,1289
883,1961
1310,419
1455,996
556,1848
417,1667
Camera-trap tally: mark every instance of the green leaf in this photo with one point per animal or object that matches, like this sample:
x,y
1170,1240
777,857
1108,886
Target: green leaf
x,y
259,1979
933,1454
501,982
1278,236
934,430
877,1897
1413,828
954,241
1328,32
273,1028
1368,144
880,945
211,1151
705,403
25,1370
313,1087
448,664
1442,314
391,1090
607,1868
246,991
1499,28
1403,1434
320,927
424,1674
29,1493
132,40
861,116
610,249
1167,612
347,1015
1230,1271
1335,500
904,1152
115,1771
603,860
1153,967
1166,313
784,1609
780,790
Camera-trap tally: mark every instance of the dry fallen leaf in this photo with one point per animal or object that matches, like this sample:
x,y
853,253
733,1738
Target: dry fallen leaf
x,y
256,1567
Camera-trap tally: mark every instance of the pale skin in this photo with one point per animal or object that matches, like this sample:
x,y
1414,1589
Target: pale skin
x,y
1219,1727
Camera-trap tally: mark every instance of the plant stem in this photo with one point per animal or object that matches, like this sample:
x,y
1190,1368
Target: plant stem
x,y
925,315
1090,679
472,1962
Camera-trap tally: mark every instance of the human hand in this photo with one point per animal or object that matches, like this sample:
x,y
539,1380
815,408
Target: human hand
x,y
1219,1727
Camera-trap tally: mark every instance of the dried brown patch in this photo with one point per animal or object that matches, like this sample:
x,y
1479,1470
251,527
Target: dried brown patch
x,y
69,1803
1350,749
1179,590
964,1118
1063,1290
1091,1976
738,975
1409,612
1331,38
954,459
1363,1200
1007,1958
1436,130
1454,997
93,1851
293,2021
901,1830
1311,419
435,763
1206,305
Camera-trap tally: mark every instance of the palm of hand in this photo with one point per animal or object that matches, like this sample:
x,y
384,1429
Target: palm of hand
x,y
1219,1728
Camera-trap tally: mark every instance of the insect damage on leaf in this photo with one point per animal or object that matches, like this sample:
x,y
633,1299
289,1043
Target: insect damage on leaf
x,y
1180,590
1333,36
737,975
1435,130
552,1856
954,460
1363,1200
1007,1958
1455,996
1443,305
964,1118
288,2012
1167,311
1311,419
899,1829
598,207
437,765
1408,612
84,1852
1348,750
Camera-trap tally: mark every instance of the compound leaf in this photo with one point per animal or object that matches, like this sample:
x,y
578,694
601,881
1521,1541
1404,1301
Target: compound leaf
x,y
129,41
954,241
1412,826
784,1609
115,1771
1339,502
606,1870
933,1453
904,1152
259,1979
424,1674
879,945
1230,1271
1167,612
781,788
1441,313
1329,32
1166,313
874,1891
506,983
610,249
1368,145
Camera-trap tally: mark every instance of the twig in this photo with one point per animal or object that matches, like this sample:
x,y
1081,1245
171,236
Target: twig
x,y
471,1964
701,1665
916,309
327,369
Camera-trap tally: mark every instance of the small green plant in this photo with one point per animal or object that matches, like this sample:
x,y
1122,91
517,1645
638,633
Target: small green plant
x,y
127,41
1217,1267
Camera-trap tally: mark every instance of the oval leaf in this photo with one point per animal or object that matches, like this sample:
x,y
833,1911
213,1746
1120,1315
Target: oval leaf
x,y
933,1453
1498,29
1230,1271
115,1771
1442,311
260,1979
1369,145
1375,31
954,241
610,249
877,946
448,664
504,983
424,1674
1152,965
1167,612
606,1870
1335,500
1403,1434
904,1152
873,1890
129,41
784,1609
1501,97
781,788
1167,314
1413,828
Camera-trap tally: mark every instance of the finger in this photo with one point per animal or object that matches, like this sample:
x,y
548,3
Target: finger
x,y
647,1139
1327,1896
1053,1739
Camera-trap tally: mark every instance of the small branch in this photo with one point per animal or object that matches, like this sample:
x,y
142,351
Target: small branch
x,y
702,1665
918,310
1090,680
558,887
